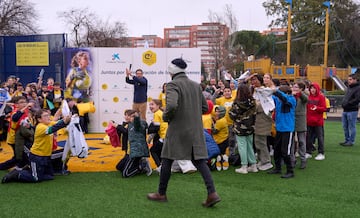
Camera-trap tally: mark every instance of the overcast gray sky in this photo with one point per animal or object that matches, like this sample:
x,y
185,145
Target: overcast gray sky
x,y
143,17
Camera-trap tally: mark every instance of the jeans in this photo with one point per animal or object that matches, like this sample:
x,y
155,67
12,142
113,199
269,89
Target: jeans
x,y
349,125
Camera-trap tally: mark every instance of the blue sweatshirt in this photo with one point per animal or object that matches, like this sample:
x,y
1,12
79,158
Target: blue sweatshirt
x,y
284,112
140,88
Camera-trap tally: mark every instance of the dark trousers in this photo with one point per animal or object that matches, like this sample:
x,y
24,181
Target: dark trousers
x,y
283,150
41,169
314,132
201,165
155,151
129,166
84,122
223,146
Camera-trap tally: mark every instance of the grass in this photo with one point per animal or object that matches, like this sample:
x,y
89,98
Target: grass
x,y
328,188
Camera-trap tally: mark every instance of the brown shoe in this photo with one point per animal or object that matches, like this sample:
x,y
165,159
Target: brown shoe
x,y
211,200
157,197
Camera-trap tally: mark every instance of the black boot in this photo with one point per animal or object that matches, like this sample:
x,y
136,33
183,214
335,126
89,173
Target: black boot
x,y
288,175
303,165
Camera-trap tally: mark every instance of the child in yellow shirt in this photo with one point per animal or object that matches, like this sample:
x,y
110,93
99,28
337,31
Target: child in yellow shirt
x,y
220,133
40,153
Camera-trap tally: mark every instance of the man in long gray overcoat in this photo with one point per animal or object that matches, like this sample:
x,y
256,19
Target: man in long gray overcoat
x,y
184,139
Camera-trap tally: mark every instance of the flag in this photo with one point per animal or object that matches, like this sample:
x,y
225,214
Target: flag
x,y
327,4
50,104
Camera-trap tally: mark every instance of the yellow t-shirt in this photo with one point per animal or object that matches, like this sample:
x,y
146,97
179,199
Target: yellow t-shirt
x,y
223,131
43,142
163,125
207,121
227,103
10,139
162,97
327,103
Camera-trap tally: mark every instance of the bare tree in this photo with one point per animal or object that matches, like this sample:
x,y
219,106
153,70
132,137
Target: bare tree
x,y
108,35
80,21
17,18
88,30
225,53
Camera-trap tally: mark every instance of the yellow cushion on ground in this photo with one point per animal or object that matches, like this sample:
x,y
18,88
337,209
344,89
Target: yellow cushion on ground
x,y
102,157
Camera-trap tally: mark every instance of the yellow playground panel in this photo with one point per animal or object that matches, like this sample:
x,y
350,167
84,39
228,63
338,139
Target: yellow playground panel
x,y
326,77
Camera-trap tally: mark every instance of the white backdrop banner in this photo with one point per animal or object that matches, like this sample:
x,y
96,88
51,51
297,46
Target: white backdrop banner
x,y
109,91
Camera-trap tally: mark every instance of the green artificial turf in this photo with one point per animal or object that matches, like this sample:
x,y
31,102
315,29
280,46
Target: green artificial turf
x,y
328,188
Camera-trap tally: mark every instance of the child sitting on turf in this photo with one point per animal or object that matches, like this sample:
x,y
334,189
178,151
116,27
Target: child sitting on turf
x,y
220,132
40,153
136,160
122,131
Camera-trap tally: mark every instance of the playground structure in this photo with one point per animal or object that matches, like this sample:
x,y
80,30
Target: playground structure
x,y
329,78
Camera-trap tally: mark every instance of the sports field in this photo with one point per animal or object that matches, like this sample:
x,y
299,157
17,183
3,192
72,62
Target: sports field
x,y
328,188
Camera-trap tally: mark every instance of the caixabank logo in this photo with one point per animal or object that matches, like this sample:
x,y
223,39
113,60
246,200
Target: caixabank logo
x,y
149,57
115,59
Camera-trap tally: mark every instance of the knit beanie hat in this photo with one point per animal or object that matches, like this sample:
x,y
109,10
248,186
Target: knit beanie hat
x,y
176,66
221,110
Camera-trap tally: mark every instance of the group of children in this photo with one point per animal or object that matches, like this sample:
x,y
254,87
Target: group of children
x,y
264,117
32,136
246,123
241,124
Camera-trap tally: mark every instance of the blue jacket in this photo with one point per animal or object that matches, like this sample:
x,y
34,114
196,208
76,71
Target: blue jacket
x,y
140,88
284,112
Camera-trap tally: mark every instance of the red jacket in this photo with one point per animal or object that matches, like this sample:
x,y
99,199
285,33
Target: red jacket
x,y
316,106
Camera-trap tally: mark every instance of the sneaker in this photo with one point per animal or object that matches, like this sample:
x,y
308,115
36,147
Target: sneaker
x,y
307,156
347,144
252,168
62,173
225,163
218,163
320,157
65,172
274,171
342,143
148,169
158,169
190,171
11,176
265,167
242,170
303,165
271,152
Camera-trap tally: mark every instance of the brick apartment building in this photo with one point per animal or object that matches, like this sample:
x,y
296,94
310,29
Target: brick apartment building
x,y
209,37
